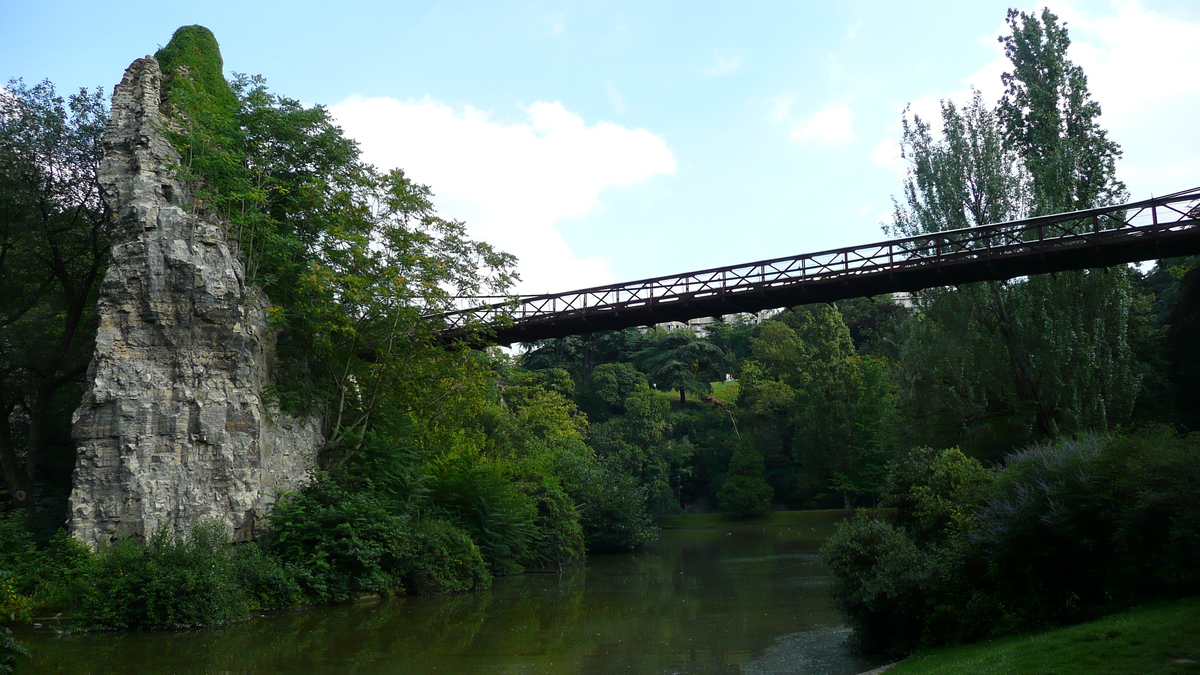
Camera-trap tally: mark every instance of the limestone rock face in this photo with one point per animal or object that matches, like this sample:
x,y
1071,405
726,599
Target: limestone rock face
x,y
174,429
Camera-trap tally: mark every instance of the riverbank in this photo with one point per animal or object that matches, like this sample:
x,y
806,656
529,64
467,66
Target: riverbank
x,y
701,601
688,521
1161,637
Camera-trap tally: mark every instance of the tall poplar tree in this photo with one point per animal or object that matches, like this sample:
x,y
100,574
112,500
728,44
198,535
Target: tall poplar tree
x,y
996,365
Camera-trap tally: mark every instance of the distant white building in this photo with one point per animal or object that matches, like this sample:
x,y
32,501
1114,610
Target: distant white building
x,y
700,325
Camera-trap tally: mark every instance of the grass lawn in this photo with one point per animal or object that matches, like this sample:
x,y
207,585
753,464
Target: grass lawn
x,y
687,521
726,391
1157,638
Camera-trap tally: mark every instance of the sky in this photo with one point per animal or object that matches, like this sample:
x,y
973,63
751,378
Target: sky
x,y
610,141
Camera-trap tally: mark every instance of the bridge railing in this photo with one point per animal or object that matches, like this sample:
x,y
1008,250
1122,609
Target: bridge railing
x,y
993,241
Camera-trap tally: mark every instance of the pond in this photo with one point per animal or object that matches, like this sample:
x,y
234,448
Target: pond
x,y
726,600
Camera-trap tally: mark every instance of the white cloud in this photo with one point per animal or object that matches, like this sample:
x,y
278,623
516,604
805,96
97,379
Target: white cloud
x,y
723,65
831,126
511,183
1141,68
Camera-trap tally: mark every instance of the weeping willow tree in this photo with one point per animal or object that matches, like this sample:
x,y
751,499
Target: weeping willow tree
x,y
995,365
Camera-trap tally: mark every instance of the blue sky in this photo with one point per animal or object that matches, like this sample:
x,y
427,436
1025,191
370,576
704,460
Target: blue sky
x,y
610,141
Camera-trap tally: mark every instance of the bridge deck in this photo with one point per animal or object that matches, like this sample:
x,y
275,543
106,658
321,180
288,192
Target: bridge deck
x,y
1157,228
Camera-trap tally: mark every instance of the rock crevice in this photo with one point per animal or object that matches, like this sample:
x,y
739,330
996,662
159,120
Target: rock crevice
x,y
174,429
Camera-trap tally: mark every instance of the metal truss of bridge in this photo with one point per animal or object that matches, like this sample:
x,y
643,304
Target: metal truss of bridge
x,y
1146,230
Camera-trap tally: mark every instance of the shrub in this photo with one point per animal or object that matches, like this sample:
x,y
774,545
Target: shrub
x,y
438,557
345,542
1061,532
1046,531
556,536
881,581
10,649
19,557
268,582
613,511
498,517
165,583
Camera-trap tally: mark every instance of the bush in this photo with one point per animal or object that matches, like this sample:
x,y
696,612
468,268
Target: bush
x,y
1060,533
268,582
166,583
613,505
556,536
881,581
438,557
498,517
10,649
346,542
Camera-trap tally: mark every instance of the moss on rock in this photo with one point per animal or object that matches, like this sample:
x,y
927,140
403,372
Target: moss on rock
x,y
195,78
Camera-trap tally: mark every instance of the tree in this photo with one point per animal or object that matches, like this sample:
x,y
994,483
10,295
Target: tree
x,y
745,492
680,360
53,253
1050,120
352,259
813,400
1000,364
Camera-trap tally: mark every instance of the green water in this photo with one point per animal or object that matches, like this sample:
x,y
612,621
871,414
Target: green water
x,y
731,600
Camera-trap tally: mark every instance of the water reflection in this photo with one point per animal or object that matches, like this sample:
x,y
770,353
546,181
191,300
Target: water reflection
x,y
737,600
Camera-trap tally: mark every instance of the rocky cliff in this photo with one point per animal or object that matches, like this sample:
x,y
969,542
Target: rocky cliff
x,y
174,429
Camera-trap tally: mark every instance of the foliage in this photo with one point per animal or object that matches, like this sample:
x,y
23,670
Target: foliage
x,y
348,540
10,649
614,507
745,492
1050,119
1060,533
875,325
497,515
880,580
933,491
681,361
811,400
53,252
994,366
166,583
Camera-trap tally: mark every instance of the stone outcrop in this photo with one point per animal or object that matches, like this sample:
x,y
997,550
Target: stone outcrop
x,y
174,430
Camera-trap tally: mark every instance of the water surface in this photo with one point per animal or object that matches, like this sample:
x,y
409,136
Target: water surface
x,y
733,600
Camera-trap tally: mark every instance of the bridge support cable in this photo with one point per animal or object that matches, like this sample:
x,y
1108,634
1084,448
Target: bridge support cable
x,y
1151,229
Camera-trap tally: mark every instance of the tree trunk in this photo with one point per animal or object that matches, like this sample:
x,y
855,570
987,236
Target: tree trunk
x,y
682,396
849,503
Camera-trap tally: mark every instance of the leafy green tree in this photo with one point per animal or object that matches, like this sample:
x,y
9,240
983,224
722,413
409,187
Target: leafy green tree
x,y
809,396
680,360
993,366
745,492
580,355
352,259
53,252
1050,120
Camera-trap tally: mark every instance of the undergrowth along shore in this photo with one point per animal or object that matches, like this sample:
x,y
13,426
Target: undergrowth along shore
x,y
687,521
1161,637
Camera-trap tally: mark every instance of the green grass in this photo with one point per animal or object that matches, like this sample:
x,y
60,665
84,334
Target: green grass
x,y
1158,638
726,391
687,521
